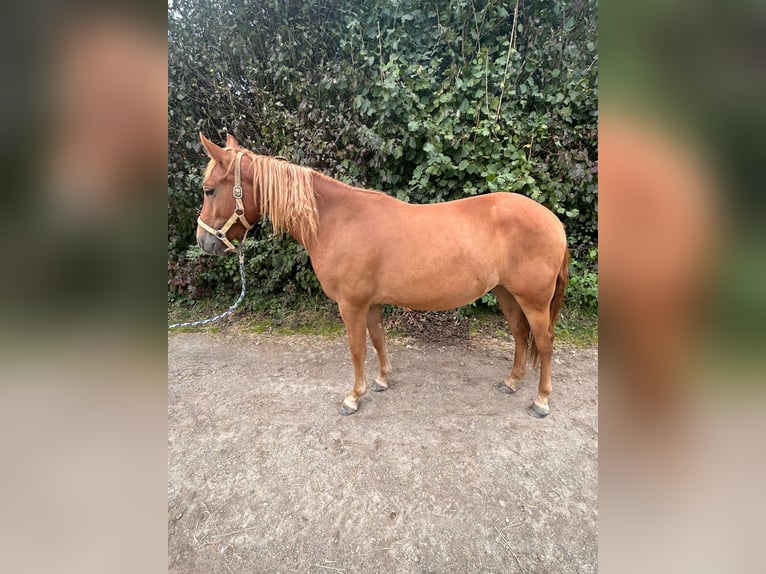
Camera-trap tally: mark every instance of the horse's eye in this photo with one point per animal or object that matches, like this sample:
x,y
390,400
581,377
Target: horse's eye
x,y
209,191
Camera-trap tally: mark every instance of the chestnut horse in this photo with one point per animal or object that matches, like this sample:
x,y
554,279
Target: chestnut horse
x,y
369,249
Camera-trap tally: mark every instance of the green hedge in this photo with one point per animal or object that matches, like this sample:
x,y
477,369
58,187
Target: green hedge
x,y
427,101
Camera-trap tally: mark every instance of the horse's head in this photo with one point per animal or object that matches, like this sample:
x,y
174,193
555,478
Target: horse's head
x,y
228,207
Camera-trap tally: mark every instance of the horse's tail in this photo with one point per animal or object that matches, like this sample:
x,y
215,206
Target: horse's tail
x,y
562,280
561,288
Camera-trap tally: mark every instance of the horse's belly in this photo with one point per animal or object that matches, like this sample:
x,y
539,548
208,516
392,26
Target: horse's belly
x,y
432,303
434,291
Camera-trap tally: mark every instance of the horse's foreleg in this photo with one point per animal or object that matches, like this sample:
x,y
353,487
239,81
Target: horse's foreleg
x,y
520,331
355,319
375,327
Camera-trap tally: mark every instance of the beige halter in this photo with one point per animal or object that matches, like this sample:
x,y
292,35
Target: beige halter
x,y
239,210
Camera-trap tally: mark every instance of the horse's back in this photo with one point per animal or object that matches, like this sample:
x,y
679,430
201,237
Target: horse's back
x,y
495,221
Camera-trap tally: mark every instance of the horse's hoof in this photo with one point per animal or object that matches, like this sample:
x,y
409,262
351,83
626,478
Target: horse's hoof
x,y
503,388
346,410
377,387
537,411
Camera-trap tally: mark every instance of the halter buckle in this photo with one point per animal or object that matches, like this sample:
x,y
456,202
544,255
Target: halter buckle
x,y
237,191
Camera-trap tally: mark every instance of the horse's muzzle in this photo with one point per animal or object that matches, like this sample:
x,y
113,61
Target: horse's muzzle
x,y
210,244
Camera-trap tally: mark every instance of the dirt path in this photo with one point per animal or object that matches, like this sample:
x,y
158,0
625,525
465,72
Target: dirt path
x,y
441,473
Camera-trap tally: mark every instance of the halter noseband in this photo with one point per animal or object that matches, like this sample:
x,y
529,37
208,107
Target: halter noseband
x,y
239,210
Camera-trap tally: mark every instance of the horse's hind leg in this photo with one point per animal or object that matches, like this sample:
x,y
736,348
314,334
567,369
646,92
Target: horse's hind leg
x,y
542,331
355,319
520,331
375,327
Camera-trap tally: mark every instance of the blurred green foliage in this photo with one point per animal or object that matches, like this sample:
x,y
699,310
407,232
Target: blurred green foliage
x,y
426,101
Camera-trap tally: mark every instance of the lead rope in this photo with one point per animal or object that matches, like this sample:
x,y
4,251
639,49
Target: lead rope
x,y
230,310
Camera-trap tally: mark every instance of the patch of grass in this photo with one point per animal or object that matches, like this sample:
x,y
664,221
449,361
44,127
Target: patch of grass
x,y
319,316
578,328
574,326
310,316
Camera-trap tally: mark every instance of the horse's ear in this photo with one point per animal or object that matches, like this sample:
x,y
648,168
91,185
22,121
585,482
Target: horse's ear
x,y
215,152
231,142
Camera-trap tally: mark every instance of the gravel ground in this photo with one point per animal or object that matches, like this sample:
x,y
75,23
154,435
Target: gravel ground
x,y
441,473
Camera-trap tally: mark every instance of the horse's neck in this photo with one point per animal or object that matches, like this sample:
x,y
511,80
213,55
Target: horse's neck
x,y
329,188
334,201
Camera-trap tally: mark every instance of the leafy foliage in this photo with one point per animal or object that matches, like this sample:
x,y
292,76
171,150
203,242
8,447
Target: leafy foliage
x,y
427,101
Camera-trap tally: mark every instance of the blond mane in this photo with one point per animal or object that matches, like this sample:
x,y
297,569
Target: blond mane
x,y
285,193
